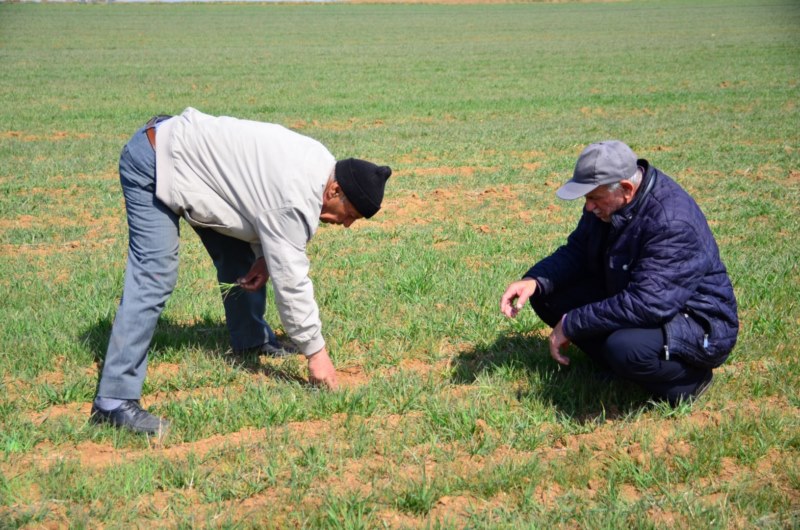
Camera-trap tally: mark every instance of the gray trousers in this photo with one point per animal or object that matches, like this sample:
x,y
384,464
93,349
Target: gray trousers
x,y
152,272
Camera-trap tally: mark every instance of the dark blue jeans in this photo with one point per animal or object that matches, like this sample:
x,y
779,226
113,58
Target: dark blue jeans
x,y
633,354
152,272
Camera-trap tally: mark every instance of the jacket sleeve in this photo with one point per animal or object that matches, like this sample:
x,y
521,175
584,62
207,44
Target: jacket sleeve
x,y
672,262
284,234
567,262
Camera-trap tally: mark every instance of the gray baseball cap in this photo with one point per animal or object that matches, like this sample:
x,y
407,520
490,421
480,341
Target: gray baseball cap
x,y
600,163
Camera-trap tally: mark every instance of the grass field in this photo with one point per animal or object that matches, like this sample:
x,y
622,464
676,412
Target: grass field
x,y
450,416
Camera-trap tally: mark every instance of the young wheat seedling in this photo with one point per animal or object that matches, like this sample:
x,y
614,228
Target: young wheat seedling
x,y
227,288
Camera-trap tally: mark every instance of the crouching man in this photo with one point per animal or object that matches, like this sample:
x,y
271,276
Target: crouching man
x,y
639,285
255,194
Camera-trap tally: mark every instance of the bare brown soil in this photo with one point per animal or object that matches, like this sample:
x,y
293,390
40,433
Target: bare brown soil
x,y
459,203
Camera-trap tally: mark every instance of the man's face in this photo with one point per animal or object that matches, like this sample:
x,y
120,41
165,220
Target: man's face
x,y
336,209
603,203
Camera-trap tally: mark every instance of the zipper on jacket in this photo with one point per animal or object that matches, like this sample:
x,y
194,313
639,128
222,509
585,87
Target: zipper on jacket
x,y
666,343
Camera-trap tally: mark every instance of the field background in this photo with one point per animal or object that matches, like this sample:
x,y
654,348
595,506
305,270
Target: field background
x,y
450,416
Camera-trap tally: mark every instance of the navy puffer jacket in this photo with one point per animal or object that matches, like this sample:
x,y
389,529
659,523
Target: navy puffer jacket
x,y
661,268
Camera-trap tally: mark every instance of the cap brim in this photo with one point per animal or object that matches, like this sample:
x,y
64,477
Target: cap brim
x,y
573,190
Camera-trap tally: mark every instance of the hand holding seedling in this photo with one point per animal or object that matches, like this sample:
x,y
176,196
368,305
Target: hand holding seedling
x,y
558,341
321,371
256,277
516,296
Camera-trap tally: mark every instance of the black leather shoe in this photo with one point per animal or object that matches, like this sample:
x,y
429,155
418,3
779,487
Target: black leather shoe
x,y
701,389
130,415
704,385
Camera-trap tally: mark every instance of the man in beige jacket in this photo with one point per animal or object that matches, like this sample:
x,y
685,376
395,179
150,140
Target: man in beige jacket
x,y
255,194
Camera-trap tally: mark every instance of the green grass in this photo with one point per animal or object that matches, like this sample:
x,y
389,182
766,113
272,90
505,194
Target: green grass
x,y
450,416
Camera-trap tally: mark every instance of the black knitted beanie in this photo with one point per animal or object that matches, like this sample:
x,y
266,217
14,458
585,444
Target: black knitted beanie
x,y
363,184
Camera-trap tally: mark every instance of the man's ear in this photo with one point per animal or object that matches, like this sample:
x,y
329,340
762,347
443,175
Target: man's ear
x,y
332,189
627,187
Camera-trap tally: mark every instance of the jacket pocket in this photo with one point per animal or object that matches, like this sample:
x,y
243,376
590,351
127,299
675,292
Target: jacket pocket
x,y
192,218
199,211
688,342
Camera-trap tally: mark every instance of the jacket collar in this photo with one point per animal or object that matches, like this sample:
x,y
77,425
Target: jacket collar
x,y
623,216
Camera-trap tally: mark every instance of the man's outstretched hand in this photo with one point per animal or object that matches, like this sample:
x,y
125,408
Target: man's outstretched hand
x,y
321,371
516,295
558,341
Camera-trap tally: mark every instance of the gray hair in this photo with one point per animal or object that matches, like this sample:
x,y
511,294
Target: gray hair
x,y
635,180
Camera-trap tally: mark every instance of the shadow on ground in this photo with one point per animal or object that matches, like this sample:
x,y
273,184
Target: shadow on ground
x,y
574,391
577,391
208,335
